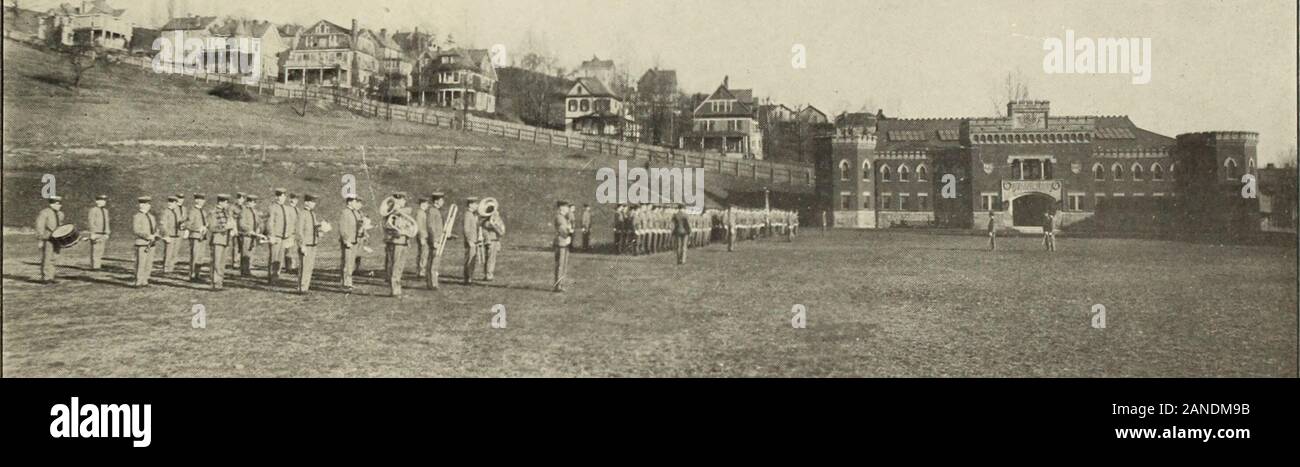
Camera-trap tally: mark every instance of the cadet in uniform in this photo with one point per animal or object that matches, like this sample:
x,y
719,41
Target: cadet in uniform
x,y
681,232
308,237
396,242
220,233
349,236
492,229
47,221
250,229
563,238
145,228
473,239
171,233
197,226
1049,231
100,230
280,230
619,242
433,234
290,252
993,235
237,250
422,239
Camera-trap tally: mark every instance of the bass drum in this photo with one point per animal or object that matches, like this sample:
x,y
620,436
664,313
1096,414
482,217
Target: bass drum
x,y
65,236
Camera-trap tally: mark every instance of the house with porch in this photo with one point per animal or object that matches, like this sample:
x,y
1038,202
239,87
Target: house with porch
x,y
326,54
591,108
457,78
90,22
726,122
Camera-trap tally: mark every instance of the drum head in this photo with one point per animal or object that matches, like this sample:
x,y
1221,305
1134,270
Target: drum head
x,y
63,230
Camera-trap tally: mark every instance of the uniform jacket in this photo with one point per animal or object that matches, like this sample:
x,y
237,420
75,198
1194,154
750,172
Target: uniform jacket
x,y
218,231
469,226
421,225
493,228
433,221
144,226
307,223
98,221
283,222
249,224
171,222
47,221
198,221
681,224
349,227
563,230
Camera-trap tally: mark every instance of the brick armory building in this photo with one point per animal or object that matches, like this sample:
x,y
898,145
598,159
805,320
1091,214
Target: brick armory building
x,y
1096,172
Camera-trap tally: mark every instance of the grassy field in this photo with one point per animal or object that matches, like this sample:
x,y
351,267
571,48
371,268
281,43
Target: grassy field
x,y
878,304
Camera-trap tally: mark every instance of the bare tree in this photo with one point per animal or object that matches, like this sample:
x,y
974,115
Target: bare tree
x,y
82,58
1013,88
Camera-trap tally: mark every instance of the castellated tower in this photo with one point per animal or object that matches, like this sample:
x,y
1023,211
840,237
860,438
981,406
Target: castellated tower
x,y
1210,171
852,155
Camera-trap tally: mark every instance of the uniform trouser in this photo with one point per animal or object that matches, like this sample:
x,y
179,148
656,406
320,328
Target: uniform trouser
x,y
290,257
586,239
471,260
218,265
421,256
97,247
1049,241
490,250
171,252
561,264
236,251
431,271
275,258
347,263
306,265
993,240
246,255
396,266
681,248
47,260
196,253
731,239
143,264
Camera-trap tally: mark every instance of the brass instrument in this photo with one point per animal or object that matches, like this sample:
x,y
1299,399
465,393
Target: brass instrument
x,y
487,207
446,230
397,221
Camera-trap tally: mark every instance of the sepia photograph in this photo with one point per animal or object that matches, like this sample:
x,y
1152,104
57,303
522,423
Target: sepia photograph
x,y
669,189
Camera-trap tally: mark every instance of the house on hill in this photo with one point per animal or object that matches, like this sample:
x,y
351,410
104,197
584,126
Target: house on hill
x,y
726,122
90,22
326,54
591,108
458,78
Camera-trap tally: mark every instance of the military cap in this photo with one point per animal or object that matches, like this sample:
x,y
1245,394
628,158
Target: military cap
x,y
293,196
144,199
437,195
561,203
251,197
223,197
103,197
174,198
307,197
351,198
54,199
400,195
471,199
199,196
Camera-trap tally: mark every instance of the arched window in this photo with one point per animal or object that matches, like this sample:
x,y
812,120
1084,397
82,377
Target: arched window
x,y
920,172
885,175
1157,172
866,170
1116,172
1230,169
1137,172
1098,172
844,170
903,173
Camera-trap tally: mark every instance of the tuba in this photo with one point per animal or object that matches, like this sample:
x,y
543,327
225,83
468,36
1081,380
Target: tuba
x,y
488,207
397,221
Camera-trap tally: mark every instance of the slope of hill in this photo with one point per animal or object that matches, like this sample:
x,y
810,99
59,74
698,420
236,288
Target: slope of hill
x,y
129,132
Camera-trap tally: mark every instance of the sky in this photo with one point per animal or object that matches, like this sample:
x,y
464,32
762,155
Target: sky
x,y
1215,65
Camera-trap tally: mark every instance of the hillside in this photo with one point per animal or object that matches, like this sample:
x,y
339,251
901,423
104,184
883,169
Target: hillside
x,y
130,132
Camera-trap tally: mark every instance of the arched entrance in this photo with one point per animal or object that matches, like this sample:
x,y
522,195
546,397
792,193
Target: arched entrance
x,y
1028,210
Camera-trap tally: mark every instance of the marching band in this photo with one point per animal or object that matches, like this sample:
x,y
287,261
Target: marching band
x,y
293,232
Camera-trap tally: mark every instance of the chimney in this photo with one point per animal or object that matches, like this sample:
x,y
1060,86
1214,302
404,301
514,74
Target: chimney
x,y
725,78
355,32
383,33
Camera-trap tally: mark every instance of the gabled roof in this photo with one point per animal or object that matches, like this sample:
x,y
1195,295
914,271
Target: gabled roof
x,y
811,110
657,81
597,63
914,134
466,59
591,87
1119,132
744,102
189,23
98,7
